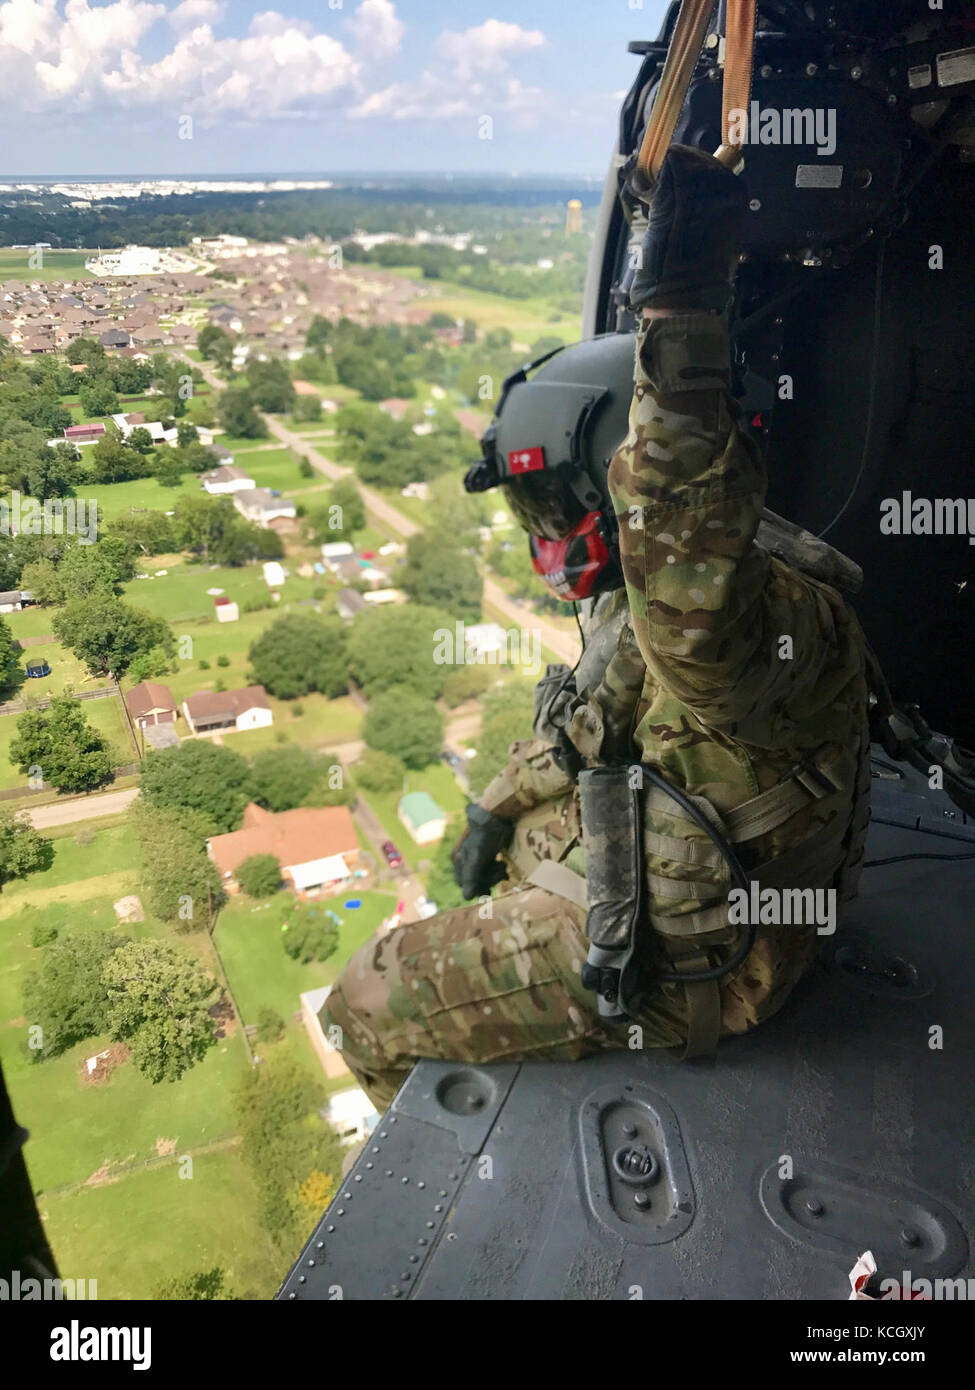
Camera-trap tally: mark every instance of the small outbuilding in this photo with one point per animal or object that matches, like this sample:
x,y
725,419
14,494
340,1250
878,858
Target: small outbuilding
x,y
422,817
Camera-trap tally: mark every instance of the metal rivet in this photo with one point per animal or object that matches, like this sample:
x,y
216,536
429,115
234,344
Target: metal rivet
x,y
301,1278
429,1225
407,1274
811,69
421,1184
414,1259
292,1295
909,1236
370,1165
814,1206
330,1228
320,1245
311,1264
389,1172
357,1178
439,1207
452,1177
404,1179
641,1199
374,1150
341,1211
347,1195
383,1134
629,1130
423,1241
754,204
397,1293
443,1192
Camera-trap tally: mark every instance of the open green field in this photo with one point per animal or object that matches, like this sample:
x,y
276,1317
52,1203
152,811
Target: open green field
x,y
439,781
135,1233
526,319
249,938
141,495
56,265
276,469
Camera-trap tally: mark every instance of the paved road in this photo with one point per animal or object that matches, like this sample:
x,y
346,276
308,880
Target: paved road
x,y
564,644
85,808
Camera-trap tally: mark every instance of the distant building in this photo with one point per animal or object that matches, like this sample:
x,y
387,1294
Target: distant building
x,y
260,505
224,480
395,407
209,711
422,817
226,610
13,600
150,703
377,598
316,847
335,552
83,434
312,1003
486,642
352,1114
348,604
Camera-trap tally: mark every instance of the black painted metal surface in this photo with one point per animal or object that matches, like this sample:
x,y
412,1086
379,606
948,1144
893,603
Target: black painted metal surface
x,y
844,1124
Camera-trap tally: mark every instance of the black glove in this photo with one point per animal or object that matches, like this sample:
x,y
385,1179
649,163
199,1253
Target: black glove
x,y
475,859
696,213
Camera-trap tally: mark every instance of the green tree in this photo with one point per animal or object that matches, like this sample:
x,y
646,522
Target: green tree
x,y
402,722
287,776
88,351
380,772
438,573
467,683
180,883
107,634
53,473
199,776
307,408
159,1002
115,462
72,755
206,1285
270,1025
144,533
310,938
149,665
271,387
10,676
507,717
259,876
395,646
299,654
22,850
283,1141
97,396
140,440
235,410
87,570
67,997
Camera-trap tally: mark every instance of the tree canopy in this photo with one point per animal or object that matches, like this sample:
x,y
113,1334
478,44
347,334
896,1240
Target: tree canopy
x,y
300,653
106,634
159,1002
395,646
59,740
22,850
400,721
198,776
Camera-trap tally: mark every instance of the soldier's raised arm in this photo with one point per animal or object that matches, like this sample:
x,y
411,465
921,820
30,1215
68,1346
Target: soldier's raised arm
x,y
710,609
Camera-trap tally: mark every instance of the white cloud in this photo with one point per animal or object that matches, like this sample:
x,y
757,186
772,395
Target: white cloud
x,y
455,86
488,47
377,28
193,12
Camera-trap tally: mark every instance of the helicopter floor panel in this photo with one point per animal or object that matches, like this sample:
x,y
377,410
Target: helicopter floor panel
x,y
842,1125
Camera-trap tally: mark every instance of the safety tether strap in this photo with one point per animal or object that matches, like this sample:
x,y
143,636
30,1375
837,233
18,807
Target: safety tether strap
x,y
561,880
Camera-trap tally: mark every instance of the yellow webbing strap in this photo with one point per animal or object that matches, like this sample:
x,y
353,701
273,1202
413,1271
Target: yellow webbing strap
x,y
682,56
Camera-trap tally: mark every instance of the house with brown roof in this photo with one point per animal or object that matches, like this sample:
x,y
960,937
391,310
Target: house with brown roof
x,y
149,704
316,847
211,711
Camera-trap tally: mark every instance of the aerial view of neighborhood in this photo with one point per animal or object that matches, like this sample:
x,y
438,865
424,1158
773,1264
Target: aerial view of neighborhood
x,y
234,530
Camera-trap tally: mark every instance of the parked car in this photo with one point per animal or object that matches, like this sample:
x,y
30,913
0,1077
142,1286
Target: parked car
x,y
393,857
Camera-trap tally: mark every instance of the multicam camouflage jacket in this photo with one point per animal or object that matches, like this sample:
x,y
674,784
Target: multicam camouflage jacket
x,y
731,670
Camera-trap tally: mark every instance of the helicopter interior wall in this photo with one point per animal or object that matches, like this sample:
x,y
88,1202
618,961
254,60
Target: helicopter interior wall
x,y
918,600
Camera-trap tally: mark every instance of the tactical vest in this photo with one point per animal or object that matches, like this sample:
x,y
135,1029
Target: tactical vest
x,y
683,865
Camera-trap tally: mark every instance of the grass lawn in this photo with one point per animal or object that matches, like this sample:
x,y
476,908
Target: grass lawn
x,y
141,494
439,781
276,469
151,1225
527,319
108,717
249,938
74,864
56,265
237,444
34,621
321,722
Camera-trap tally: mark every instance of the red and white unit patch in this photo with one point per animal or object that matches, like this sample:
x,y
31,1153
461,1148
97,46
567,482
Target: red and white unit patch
x,y
526,460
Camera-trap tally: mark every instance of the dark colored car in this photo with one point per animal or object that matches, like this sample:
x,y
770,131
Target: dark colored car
x,y
393,857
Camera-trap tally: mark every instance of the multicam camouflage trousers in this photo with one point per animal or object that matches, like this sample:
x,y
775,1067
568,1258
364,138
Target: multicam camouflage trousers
x,y
469,988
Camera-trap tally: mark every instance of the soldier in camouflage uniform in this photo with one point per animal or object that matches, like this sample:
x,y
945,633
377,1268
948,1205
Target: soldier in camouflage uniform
x,y
724,668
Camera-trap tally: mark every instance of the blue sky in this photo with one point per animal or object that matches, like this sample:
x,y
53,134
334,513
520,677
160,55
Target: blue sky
x,y
230,86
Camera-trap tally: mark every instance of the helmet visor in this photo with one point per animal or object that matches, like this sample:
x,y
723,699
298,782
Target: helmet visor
x,y
544,505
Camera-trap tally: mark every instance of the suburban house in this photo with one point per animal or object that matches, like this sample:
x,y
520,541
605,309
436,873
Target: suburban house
x,y
149,703
209,711
376,598
226,610
260,505
335,552
226,479
348,604
13,600
422,817
352,1114
330,1057
316,847
84,434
